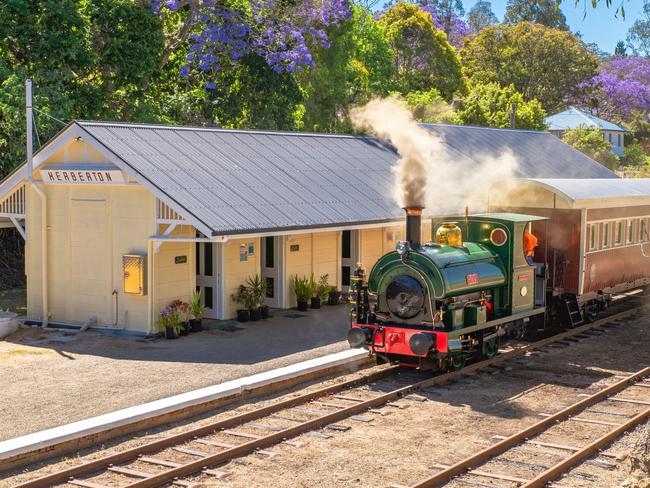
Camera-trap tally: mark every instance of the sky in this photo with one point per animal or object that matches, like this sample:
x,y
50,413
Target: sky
x,y
600,24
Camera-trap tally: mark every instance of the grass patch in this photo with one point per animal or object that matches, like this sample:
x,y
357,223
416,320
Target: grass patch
x,y
13,353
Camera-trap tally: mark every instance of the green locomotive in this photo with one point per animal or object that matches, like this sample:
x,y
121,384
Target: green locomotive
x,y
438,305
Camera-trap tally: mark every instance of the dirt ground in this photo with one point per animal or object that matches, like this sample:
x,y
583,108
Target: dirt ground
x,y
50,378
455,420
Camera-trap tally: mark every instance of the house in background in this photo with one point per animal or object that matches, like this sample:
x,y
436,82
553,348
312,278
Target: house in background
x,y
574,118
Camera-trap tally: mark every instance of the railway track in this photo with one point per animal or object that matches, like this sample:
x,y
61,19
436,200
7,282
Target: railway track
x,y
170,460
473,467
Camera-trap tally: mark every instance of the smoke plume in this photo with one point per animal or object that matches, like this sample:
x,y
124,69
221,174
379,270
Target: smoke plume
x,y
429,173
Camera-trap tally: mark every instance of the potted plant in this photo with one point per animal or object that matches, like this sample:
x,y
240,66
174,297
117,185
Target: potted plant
x,y
257,290
301,289
169,323
196,309
243,298
334,296
323,289
313,292
182,310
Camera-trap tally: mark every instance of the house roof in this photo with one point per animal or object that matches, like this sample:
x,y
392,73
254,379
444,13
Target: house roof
x,y
598,192
230,182
574,118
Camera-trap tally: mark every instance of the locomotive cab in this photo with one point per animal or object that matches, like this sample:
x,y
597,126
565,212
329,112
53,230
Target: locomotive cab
x,y
439,304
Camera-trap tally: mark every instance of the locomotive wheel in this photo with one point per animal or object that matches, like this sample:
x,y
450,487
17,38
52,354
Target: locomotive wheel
x,y
457,362
591,313
491,348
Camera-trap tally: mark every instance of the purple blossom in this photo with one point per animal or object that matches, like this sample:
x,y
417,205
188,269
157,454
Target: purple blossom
x,y
621,89
283,33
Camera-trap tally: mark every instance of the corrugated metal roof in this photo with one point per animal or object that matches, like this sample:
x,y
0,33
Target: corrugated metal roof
x,y
579,190
573,118
238,181
540,154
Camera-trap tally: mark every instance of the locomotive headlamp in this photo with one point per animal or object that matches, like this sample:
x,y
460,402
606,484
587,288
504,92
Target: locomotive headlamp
x,y
358,336
403,248
421,343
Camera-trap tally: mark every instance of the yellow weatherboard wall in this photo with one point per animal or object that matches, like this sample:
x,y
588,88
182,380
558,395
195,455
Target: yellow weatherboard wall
x,y
89,228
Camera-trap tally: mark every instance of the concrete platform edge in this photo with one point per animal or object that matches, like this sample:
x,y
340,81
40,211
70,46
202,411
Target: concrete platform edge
x,y
17,448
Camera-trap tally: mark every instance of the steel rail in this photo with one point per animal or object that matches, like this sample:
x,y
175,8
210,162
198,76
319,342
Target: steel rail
x,y
565,465
274,438
133,453
249,447
441,477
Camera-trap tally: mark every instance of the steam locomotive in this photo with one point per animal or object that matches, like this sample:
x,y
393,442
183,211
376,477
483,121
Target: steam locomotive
x,y
438,305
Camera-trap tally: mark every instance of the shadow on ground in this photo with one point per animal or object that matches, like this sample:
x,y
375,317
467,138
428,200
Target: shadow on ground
x,y
247,343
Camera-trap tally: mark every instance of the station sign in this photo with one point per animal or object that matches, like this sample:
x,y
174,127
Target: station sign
x,y
88,175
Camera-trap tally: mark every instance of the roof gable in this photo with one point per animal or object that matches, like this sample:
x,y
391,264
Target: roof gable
x,y
574,118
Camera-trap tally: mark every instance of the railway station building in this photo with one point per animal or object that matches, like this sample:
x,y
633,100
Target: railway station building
x,y
121,219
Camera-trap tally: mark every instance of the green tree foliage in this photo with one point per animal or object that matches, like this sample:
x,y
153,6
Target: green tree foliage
x,y
90,59
541,62
620,50
481,16
591,142
357,66
489,105
371,68
423,58
430,107
544,12
634,155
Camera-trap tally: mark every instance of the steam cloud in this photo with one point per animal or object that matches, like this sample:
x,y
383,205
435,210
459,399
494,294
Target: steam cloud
x,y
429,173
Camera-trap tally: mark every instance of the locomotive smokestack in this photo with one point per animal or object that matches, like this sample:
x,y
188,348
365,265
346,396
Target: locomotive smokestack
x,y
414,226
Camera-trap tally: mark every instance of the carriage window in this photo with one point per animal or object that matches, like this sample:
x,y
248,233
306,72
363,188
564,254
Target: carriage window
x,y
631,231
593,237
618,238
607,235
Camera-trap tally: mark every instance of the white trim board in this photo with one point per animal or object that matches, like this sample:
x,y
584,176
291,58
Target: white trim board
x,y
57,435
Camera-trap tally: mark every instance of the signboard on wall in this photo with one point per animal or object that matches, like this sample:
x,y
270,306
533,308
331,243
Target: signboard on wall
x,y
90,174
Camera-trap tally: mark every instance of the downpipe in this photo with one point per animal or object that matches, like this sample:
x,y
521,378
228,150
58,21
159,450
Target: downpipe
x,y
30,175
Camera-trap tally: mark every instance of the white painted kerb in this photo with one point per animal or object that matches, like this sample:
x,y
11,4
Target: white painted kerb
x,y
82,428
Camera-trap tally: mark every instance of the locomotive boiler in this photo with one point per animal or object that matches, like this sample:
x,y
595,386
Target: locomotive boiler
x,y
440,304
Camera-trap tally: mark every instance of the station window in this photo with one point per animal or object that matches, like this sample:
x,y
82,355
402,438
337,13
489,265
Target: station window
x,y
618,236
208,297
207,259
607,235
346,245
643,231
631,231
609,136
593,237
619,140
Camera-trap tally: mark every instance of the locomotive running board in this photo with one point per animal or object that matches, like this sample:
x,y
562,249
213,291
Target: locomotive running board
x,y
510,318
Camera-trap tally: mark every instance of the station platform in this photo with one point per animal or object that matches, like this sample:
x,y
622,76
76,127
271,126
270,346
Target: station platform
x,y
56,377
